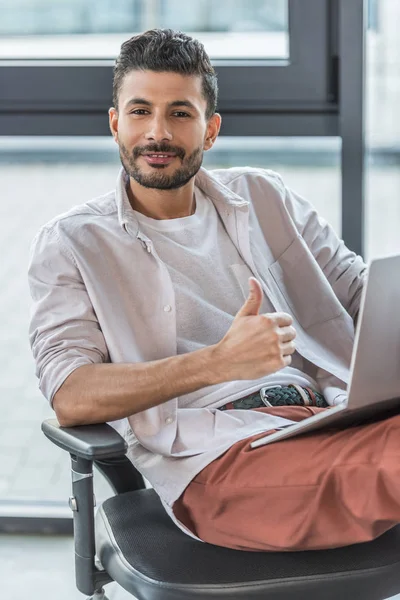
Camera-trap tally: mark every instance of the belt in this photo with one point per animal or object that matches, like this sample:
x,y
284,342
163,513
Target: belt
x,y
288,395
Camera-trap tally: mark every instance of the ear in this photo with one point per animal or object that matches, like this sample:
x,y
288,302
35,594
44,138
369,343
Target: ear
x,y
213,127
113,122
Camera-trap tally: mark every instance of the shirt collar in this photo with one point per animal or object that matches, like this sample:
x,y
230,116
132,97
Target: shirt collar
x,y
204,180
124,209
217,191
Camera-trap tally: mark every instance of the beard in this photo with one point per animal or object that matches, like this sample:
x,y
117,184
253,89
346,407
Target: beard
x,y
159,180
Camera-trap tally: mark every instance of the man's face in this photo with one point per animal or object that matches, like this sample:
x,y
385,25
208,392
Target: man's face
x,y
161,128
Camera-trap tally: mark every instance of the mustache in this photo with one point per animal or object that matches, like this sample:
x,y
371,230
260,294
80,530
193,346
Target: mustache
x,y
158,148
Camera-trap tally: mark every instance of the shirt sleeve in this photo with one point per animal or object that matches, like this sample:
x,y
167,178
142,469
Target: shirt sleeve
x,y
345,270
64,332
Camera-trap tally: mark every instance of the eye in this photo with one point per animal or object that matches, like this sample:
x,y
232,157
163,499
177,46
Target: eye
x,y
181,114
139,111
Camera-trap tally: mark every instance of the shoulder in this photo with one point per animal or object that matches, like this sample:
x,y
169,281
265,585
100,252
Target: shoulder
x,y
67,225
96,208
89,212
250,178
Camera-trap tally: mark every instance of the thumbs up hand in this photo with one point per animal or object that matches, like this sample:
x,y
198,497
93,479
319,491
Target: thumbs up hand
x,y
256,344
253,301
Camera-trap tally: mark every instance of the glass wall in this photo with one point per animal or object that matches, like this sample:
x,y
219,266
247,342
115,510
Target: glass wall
x,y
43,177
96,28
383,132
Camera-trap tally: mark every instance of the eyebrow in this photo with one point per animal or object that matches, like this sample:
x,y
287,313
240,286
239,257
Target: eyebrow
x,y
174,104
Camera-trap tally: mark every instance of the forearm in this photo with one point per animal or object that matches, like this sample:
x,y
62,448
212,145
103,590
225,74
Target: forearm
x,y
106,392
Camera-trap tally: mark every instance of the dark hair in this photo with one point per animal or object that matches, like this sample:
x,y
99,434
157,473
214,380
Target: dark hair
x,y
167,50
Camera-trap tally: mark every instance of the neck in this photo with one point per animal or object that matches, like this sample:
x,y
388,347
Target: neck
x,y
162,204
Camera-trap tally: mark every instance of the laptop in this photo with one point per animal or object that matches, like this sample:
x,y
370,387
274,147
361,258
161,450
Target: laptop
x,y
373,392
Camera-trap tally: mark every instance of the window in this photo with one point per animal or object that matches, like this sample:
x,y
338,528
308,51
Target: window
x,y
41,177
277,62
96,29
280,77
382,216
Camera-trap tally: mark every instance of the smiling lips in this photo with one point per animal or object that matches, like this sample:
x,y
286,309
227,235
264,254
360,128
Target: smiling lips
x,y
159,158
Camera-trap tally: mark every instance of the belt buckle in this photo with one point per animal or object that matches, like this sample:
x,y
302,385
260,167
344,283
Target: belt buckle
x,y
264,396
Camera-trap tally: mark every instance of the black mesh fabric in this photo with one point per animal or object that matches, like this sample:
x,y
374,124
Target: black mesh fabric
x,y
155,547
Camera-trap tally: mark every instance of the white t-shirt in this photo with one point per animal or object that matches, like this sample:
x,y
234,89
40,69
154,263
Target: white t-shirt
x,y
210,281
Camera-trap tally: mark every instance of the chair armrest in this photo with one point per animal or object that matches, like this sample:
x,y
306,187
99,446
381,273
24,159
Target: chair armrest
x,y
87,444
102,445
91,442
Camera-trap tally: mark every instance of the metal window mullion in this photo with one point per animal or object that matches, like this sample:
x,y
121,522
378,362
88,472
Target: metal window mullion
x,y
352,28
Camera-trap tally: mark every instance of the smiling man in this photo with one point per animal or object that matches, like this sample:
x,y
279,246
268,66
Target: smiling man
x,y
197,310
162,137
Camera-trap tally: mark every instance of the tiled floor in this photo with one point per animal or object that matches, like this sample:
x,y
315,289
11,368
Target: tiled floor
x,y
42,568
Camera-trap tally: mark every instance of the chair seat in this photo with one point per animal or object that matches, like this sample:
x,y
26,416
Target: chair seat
x,y
144,551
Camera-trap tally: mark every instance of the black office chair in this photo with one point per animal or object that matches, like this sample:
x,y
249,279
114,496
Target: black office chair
x,y
139,547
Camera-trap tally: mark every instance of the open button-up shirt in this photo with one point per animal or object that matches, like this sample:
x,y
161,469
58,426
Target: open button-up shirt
x,y
100,294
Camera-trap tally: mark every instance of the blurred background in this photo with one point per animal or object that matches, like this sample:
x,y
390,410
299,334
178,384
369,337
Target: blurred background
x,y
42,175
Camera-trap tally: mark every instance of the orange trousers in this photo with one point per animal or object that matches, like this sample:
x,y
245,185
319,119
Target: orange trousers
x,y
322,490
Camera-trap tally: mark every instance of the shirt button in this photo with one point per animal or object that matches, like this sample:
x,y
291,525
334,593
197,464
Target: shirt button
x,y
167,308
169,420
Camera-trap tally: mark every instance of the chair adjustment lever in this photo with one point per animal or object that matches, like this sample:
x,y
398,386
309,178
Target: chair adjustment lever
x,y
72,503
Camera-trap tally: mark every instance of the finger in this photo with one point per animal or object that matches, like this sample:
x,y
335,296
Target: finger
x,y
287,334
287,360
288,348
281,319
254,299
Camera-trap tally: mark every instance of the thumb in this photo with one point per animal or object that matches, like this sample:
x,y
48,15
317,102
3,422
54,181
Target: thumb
x,y
253,301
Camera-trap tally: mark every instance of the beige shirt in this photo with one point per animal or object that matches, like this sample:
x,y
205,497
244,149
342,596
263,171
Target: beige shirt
x,y
101,293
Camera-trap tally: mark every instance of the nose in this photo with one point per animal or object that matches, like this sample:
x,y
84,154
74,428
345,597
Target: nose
x,y
158,130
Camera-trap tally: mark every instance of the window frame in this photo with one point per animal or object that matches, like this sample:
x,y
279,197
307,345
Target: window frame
x,y
59,97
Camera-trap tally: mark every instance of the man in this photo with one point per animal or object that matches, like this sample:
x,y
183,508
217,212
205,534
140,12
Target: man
x,y
165,306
